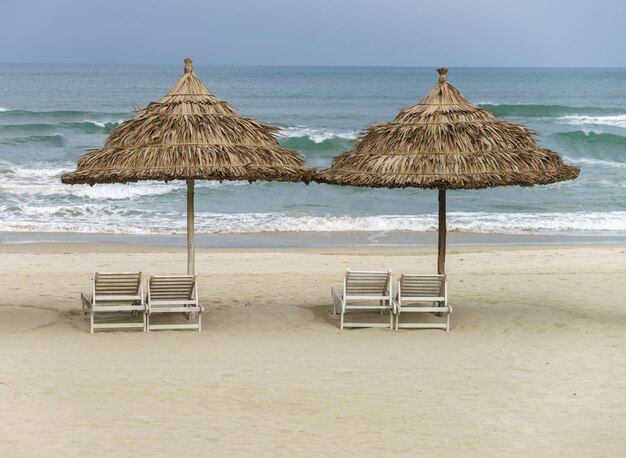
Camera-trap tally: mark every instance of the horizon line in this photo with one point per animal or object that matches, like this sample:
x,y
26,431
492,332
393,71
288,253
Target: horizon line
x,y
321,65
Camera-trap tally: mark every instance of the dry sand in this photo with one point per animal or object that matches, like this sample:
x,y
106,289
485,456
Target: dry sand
x,y
535,363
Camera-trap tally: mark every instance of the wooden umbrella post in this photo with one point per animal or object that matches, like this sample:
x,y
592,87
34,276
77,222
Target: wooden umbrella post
x,y
441,260
191,249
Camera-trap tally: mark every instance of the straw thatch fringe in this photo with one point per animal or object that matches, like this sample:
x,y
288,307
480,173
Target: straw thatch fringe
x,y
446,142
214,172
468,180
190,133
207,161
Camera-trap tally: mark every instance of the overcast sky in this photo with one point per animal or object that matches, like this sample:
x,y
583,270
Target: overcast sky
x,y
317,32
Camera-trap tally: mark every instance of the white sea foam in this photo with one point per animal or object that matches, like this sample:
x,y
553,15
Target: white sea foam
x,y
99,192
46,182
104,124
276,222
106,218
3,109
540,223
497,104
596,162
315,135
588,132
512,223
577,120
38,172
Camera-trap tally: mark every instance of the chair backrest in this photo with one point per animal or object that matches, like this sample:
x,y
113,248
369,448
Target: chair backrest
x,y
173,287
422,285
367,283
117,283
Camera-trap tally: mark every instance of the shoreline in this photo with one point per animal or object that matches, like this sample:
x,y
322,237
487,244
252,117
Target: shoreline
x,y
278,240
77,248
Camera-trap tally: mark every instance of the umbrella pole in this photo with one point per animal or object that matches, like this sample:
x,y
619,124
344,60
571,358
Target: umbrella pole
x,y
441,260
191,249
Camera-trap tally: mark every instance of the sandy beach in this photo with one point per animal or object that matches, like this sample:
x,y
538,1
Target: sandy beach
x,y
534,363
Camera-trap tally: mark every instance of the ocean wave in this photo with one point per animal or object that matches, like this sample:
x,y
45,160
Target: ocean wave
x,y
60,114
99,192
591,137
109,219
46,181
315,135
2,109
326,148
579,120
52,140
105,126
34,171
596,162
530,110
512,223
84,126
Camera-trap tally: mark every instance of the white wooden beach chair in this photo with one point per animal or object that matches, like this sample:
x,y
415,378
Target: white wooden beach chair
x,y
174,294
414,292
364,291
115,292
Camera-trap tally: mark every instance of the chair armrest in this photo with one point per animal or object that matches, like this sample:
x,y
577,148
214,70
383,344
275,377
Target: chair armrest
x,y
86,300
336,293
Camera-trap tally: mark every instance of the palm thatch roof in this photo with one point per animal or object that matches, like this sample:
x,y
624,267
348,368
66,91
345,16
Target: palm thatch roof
x,y
446,142
189,133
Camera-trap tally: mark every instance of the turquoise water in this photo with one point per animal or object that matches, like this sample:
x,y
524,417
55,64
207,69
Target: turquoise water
x,y
50,115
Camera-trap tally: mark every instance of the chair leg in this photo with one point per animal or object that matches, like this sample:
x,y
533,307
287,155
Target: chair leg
x,y
448,322
341,320
437,304
397,320
91,322
199,321
391,319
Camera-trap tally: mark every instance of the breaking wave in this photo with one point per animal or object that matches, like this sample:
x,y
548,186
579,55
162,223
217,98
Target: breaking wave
x,y
593,138
316,135
88,218
580,120
59,114
51,140
530,110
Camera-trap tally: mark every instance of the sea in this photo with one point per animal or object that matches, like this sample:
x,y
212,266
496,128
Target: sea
x,y
51,115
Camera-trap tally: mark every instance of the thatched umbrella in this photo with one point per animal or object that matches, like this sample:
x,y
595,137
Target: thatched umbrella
x,y
445,142
189,134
